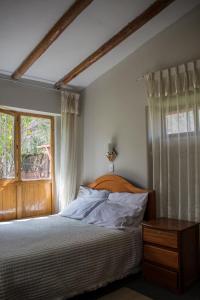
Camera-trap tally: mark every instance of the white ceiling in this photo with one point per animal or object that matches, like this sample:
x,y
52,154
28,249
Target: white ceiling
x,y
23,23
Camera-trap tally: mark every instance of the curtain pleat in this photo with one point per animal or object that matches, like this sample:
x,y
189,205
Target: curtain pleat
x,y
174,106
68,161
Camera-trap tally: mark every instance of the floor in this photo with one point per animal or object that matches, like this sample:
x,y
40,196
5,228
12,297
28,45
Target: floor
x,y
137,283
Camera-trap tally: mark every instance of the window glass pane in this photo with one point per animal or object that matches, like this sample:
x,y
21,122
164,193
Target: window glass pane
x,y
35,148
7,153
180,122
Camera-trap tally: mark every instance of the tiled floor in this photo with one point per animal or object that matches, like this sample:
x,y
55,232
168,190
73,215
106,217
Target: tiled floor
x,y
137,283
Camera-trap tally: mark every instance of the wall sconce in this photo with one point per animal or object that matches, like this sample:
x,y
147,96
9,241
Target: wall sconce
x,y
111,156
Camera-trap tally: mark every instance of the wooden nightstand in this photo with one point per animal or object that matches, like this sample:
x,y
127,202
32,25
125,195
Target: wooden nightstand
x,y
171,252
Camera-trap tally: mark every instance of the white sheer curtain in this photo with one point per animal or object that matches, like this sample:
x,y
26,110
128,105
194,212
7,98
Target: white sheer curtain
x,y
174,106
68,161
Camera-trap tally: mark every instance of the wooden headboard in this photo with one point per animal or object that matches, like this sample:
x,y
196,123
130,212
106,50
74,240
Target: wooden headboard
x,y
115,183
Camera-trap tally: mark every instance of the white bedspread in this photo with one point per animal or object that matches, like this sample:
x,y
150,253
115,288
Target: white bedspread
x,y
56,258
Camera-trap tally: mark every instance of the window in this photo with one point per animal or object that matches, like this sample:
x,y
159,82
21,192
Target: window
x,y
7,146
181,122
35,148
26,165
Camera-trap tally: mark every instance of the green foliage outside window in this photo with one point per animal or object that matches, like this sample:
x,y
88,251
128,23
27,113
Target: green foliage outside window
x,y
35,143
7,167
34,133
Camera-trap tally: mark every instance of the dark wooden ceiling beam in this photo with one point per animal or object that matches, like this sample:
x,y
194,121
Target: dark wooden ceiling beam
x,y
72,13
125,32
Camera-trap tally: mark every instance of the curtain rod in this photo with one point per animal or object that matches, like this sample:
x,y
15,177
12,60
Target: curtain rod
x,y
35,84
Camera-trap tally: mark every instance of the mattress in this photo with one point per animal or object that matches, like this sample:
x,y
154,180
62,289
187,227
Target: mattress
x,y
55,257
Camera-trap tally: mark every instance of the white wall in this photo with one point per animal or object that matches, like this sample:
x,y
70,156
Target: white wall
x,y
114,105
16,95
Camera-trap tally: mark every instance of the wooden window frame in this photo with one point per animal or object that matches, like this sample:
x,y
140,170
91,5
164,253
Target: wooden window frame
x,y
12,113
17,150
52,144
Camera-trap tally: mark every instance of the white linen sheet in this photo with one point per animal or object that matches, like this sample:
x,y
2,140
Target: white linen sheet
x,y
55,257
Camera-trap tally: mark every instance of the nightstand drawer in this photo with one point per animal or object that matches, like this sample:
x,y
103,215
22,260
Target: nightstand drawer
x,y
160,237
161,256
160,275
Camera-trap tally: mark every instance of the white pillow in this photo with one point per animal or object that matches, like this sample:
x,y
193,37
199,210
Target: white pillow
x,y
131,200
114,215
80,208
139,199
87,192
85,202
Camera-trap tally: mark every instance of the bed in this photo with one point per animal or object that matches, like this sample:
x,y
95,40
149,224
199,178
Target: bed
x,y
56,258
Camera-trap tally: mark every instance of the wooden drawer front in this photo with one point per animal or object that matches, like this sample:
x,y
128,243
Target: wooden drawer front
x,y
161,276
161,256
160,237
